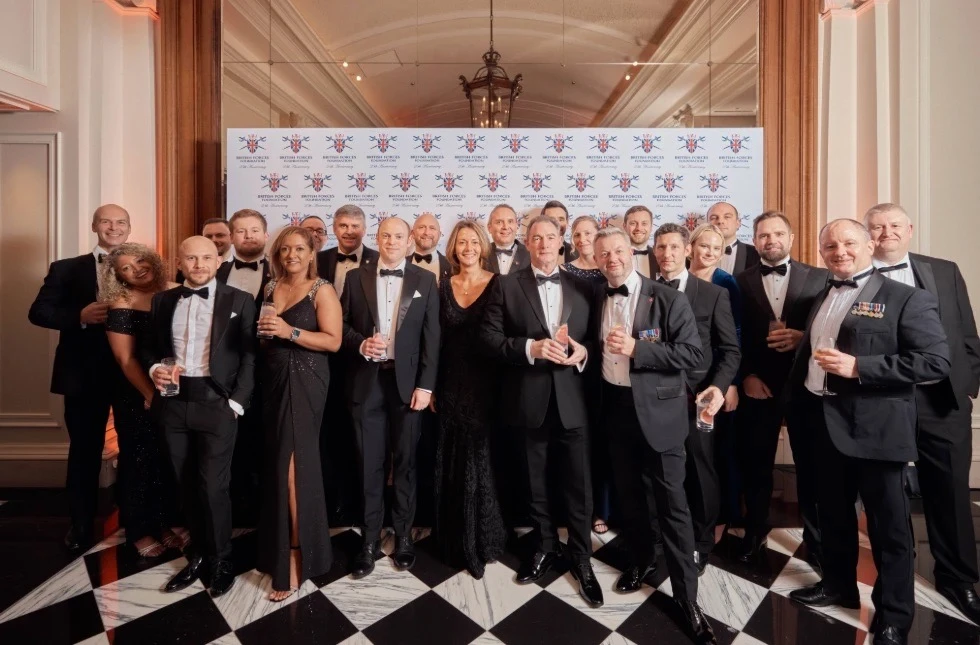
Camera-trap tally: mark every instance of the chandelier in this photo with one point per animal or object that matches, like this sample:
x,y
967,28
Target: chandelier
x,y
491,93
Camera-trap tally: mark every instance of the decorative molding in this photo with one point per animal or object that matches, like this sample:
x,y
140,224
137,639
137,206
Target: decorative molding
x,y
146,8
34,451
38,71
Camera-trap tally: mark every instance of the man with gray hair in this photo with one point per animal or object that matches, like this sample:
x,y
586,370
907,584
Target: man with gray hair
x,y
350,253
944,434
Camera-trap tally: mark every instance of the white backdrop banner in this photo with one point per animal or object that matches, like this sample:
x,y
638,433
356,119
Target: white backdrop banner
x,y
289,174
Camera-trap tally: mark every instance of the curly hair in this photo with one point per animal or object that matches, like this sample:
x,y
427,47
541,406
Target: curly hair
x,y
114,287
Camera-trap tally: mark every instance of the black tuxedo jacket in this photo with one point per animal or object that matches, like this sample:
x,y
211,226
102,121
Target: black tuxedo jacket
x,y
513,315
805,284
445,269
942,279
746,256
232,357
568,253
83,360
719,340
225,270
326,262
416,330
873,416
657,369
522,259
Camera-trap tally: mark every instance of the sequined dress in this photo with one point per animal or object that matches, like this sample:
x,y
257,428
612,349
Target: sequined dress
x,y
294,391
146,503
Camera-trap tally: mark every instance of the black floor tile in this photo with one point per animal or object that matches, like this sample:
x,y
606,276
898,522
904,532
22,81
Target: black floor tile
x,y
935,628
658,621
68,621
121,561
195,620
311,620
547,619
762,572
427,620
429,567
781,621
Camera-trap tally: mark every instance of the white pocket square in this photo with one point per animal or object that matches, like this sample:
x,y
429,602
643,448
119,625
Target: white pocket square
x,y
417,295
233,314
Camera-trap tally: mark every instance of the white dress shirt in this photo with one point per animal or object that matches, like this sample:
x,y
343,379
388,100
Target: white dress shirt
x,y
905,276
619,310
432,266
776,286
248,280
389,298
344,266
641,262
682,276
727,261
826,324
505,261
551,302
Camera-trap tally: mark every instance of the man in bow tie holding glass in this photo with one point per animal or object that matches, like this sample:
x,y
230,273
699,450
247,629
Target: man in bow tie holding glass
x,y
207,329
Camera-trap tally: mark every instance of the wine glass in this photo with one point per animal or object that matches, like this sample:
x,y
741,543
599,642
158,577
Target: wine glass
x,y
823,343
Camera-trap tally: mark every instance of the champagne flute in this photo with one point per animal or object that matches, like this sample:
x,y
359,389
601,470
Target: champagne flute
x,y
822,344
384,339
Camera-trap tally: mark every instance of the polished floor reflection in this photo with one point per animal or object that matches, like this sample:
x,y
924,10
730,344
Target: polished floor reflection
x,y
110,595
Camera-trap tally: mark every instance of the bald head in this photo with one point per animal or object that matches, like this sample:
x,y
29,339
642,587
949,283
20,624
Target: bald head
x,y
845,247
198,259
426,233
393,234
111,223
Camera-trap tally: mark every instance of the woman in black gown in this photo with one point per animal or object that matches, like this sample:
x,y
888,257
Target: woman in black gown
x,y
294,538
131,275
469,528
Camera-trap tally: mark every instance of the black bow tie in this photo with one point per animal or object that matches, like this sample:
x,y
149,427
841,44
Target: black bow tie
x,y
850,282
341,257
187,292
561,251
397,273
554,277
101,258
673,284
239,264
509,251
728,250
641,251
897,267
779,268
427,258
621,290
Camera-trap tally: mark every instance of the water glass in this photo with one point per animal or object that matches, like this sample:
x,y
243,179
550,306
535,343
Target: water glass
x,y
704,421
268,310
172,366
384,339
559,333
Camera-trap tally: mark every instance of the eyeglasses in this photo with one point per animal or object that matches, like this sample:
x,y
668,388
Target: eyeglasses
x,y
317,231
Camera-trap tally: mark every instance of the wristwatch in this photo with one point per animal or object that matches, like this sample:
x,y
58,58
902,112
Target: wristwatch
x,y
294,335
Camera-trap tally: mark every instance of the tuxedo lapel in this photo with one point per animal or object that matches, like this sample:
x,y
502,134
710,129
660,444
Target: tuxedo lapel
x,y
691,291
925,277
220,316
757,291
410,284
530,287
522,258
644,305
168,306
739,265
331,269
567,294
797,279
369,284
492,265
89,275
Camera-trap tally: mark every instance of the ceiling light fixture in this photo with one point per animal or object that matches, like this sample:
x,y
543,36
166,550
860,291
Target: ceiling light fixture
x,y
491,93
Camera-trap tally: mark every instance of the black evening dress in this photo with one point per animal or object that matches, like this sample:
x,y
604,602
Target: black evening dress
x,y
294,391
146,504
589,275
469,527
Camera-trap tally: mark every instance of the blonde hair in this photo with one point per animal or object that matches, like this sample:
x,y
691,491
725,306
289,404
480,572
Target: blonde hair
x,y
115,288
706,228
585,219
275,263
472,225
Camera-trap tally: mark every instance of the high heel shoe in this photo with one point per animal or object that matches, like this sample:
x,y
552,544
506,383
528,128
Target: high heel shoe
x,y
292,590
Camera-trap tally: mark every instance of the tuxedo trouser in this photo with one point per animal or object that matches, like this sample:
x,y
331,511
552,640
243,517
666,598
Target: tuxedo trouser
x,y
382,420
85,419
804,422
553,446
702,485
945,443
340,478
881,485
650,491
199,428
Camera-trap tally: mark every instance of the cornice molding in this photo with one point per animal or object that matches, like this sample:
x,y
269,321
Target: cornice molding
x,y
145,8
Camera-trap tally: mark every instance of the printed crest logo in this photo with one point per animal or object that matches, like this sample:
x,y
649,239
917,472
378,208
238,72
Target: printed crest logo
x,y
492,181
604,219
449,181
559,142
406,181
292,219
669,181
317,181
625,181
713,181
603,143
691,143
692,220
383,142
580,181
427,142
515,142
471,142
295,143
361,181
647,143
537,181
339,142
273,181
381,216
468,216
735,143
252,143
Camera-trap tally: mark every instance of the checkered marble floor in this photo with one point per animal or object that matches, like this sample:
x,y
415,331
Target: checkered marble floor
x,y
111,596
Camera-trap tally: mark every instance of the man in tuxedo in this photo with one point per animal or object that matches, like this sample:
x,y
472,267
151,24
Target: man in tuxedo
x,y
557,211
737,257
83,364
781,291
217,230
943,408
391,328
859,404
638,222
507,254
209,328
649,338
426,234
350,252
543,388
711,379
318,229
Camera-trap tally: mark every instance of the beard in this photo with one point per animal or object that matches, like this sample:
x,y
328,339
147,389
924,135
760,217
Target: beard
x,y
772,256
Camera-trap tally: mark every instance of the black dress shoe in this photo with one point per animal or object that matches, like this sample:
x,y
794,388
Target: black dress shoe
x,y
364,561
751,549
404,555
817,596
77,542
701,562
588,586
632,579
965,600
889,635
696,623
532,570
187,575
221,578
